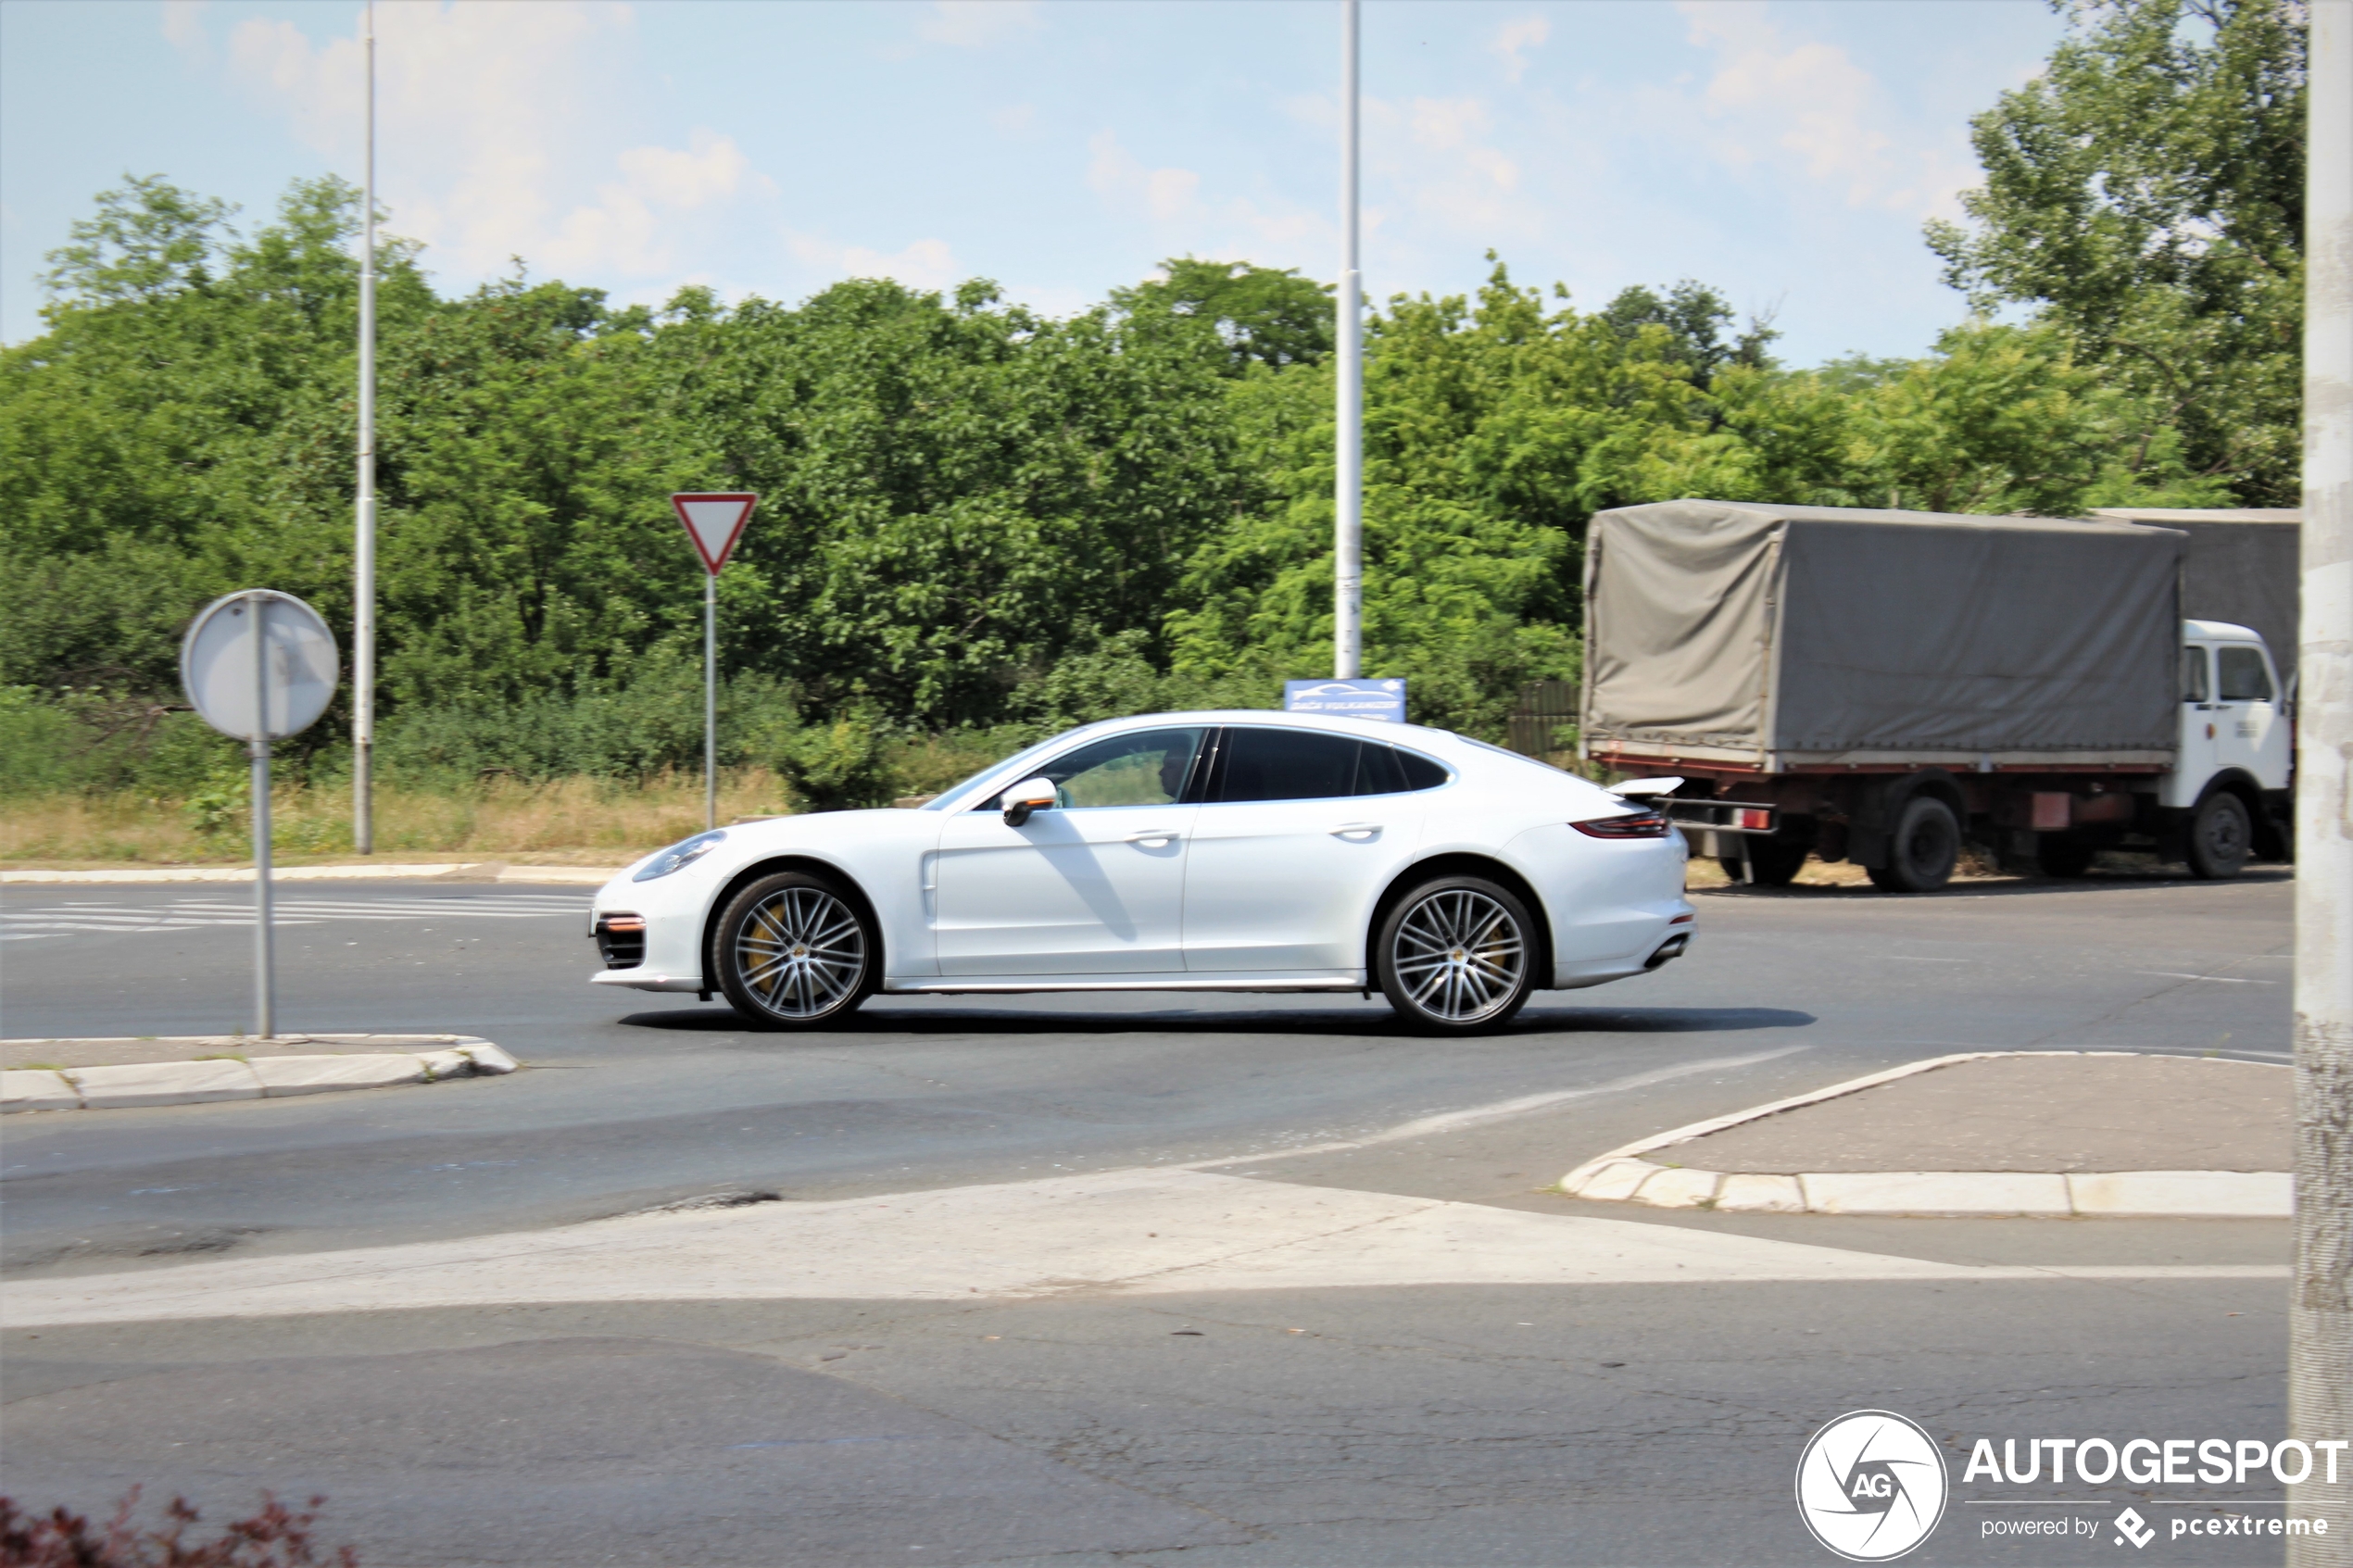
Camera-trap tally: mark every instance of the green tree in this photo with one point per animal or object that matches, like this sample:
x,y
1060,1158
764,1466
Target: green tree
x,y
1262,315
955,495
2146,193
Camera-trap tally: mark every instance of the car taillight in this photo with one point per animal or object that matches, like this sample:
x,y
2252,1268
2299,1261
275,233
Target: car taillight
x,y
1633,824
1757,818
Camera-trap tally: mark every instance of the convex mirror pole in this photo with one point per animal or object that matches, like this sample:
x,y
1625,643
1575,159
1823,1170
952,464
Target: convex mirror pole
x,y
259,665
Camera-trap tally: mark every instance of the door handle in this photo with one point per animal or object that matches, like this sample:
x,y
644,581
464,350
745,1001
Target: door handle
x,y
1362,832
1154,835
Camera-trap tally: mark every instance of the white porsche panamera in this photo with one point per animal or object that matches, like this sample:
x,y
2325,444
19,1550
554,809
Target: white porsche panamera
x,y
1232,851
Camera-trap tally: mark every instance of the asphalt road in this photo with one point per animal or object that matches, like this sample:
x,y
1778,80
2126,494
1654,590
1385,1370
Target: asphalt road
x,y
1423,1424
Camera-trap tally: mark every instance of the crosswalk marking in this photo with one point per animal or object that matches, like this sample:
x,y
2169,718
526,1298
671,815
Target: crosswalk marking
x,y
193,912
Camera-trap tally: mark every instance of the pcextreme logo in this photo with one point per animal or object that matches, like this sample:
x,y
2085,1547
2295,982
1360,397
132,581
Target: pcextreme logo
x,y
1871,1485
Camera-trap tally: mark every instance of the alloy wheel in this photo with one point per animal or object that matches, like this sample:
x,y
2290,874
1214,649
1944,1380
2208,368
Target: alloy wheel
x,y
1459,956
800,952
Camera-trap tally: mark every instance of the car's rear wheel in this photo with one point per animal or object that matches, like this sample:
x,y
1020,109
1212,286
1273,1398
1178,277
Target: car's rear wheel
x,y
1456,956
794,952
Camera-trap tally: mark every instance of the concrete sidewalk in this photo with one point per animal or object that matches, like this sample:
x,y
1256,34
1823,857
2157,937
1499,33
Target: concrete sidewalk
x,y
2048,1132
124,1074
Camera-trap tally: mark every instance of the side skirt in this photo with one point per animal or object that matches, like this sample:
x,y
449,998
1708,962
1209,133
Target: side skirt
x,y
1245,980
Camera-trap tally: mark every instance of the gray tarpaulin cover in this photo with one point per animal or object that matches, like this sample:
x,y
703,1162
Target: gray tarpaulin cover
x,y
2243,566
1827,630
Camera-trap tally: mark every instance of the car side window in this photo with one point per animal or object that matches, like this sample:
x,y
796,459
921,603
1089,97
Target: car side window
x,y
1265,763
2242,677
1270,764
2194,686
1420,771
1143,768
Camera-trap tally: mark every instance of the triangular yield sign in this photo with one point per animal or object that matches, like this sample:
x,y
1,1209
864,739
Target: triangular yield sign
x,y
714,521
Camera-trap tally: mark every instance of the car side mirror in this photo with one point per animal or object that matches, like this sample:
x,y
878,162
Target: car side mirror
x,y
1030,795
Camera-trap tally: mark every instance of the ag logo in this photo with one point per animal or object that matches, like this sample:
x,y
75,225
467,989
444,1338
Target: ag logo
x,y
1871,1485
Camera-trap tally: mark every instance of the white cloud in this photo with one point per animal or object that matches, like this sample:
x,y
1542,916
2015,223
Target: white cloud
x,y
1115,173
183,25
1528,32
488,117
975,24
1809,107
633,227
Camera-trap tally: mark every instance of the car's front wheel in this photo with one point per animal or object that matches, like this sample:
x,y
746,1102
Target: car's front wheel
x,y
793,952
1456,956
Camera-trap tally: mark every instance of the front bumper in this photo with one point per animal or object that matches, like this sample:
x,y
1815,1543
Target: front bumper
x,y
641,979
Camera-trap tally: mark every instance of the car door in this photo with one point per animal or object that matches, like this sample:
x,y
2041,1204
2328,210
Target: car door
x,y
1092,886
2247,731
1288,854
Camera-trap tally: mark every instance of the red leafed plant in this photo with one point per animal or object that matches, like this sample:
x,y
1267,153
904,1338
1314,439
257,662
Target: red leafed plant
x,y
274,1537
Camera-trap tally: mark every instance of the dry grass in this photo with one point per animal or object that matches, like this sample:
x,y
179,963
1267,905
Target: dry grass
x,y
579,821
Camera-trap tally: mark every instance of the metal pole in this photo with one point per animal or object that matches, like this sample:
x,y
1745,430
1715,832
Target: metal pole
x,y
1347,524
265,1022
364,615
710,700
2320,1391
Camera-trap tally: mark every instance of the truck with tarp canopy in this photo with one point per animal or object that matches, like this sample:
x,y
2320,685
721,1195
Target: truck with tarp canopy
x,y
1883,686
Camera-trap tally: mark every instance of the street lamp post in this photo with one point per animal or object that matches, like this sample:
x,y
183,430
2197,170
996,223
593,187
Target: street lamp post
x,y
363,553
1348,510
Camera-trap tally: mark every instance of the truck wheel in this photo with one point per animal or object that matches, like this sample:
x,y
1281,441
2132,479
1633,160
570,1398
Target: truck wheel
x,y
1776,864
2221,836
1923,849
2064,854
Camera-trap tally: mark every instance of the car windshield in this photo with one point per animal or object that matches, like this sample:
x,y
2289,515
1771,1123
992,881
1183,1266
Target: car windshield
x,y
949,799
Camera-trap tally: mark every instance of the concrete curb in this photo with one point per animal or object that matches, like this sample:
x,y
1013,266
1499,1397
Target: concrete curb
x,y
1622,1175
472,870
268,1077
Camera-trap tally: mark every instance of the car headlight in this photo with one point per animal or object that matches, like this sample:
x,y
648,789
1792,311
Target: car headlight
x,y
685,852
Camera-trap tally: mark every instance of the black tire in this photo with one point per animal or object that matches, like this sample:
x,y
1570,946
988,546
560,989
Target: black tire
x,y
1776,864
1458,956
2221,836
1924,848
795,951
2064,854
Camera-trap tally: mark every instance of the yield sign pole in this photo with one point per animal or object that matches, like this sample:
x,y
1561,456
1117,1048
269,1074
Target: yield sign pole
x,y
714,521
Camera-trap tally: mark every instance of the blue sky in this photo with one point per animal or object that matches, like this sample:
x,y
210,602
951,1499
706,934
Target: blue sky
x,y
1785,151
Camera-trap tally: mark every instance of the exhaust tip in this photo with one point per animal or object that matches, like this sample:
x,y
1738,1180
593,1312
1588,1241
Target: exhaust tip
x,y
1670,948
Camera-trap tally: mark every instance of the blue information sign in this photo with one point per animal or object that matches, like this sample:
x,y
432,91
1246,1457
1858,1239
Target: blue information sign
x,y
1349,699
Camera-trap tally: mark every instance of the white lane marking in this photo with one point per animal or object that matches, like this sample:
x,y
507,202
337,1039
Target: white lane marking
x,y
1503,1110
1140,1232
2218,979
181,914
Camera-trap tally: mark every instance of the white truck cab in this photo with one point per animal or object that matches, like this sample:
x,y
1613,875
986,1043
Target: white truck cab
x,y
2232,715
